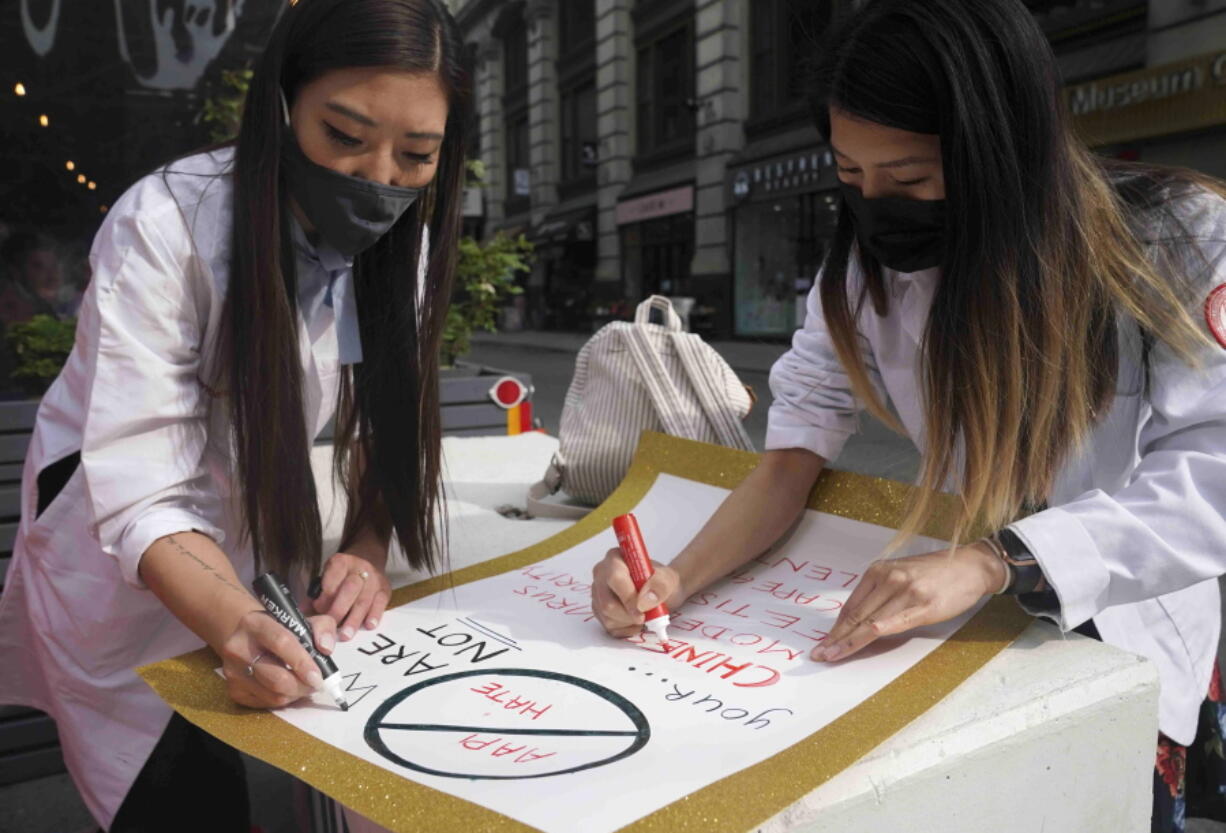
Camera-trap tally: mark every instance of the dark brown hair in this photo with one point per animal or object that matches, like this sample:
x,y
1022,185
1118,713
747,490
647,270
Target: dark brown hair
x,y
387,441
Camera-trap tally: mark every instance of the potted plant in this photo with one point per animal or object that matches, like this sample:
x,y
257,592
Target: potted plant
x,y
485,280
223,110
40,347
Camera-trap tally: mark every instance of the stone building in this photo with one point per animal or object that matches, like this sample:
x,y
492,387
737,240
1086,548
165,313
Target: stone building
x,y
664,146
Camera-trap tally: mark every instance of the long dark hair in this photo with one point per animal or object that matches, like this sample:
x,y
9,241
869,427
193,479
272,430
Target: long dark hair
x,y
1020,352
387,440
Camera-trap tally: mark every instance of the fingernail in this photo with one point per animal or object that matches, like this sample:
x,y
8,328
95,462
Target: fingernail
x,y
372,623
327,641
315,679
821,654
346,634
648,600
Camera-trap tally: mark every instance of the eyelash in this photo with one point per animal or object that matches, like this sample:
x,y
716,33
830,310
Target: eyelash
x,y
347,141
921,180
343,139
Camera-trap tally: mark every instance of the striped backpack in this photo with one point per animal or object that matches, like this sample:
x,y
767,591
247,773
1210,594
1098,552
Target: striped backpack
x,y
632,377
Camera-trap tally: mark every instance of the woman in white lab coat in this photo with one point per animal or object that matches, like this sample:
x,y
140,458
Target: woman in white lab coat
x,y
1050,328
239,298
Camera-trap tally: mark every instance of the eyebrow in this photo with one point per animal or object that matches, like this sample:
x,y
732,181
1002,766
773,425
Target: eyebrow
x,y
369,122
895,163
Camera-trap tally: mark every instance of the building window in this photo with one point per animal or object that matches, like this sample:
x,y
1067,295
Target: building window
x,y
519,164
471,51
577,94
784,37
579,132
656,256
515,54
513,31
576,26
666,92
780,245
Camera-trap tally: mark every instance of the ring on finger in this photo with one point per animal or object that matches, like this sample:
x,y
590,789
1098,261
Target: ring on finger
x,y
362,574
250,669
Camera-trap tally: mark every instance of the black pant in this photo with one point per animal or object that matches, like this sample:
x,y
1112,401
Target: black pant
x,y
191,782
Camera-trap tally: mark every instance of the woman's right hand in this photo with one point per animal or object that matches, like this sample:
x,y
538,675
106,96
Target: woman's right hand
x,y
266,667
616,603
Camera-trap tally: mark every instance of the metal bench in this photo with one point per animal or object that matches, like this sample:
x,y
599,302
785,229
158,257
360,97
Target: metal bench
x,y
29,745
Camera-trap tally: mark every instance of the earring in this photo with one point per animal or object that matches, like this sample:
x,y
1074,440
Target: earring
x,y
284,106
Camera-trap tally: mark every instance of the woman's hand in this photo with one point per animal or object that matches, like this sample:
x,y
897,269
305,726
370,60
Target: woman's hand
x,y
616,603
266,667
899,594
355,593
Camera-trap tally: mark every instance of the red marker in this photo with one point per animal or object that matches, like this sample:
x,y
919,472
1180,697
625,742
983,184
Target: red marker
x,y
634,553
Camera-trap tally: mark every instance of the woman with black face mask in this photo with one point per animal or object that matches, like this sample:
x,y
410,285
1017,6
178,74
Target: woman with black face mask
x,y
240,298
1050,329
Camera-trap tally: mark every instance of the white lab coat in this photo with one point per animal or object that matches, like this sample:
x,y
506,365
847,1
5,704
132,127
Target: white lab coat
x,y
156,458
1135,536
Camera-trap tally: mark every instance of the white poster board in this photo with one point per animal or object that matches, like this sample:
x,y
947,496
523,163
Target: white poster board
x,y
506,692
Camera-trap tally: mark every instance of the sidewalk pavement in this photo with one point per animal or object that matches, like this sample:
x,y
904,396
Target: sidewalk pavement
x,y
742,356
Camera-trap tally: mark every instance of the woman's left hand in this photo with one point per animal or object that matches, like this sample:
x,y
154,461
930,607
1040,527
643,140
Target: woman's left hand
x,y
355,592
896,595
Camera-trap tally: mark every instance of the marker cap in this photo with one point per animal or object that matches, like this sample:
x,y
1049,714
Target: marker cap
x,y
333,686
659,628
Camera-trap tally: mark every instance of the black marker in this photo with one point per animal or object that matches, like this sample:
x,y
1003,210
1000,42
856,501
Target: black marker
x,y
276,598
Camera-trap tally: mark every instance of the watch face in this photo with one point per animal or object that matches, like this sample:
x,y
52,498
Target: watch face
x,y
1215,314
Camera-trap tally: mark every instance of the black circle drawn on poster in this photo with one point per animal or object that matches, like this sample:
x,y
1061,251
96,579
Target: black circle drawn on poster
x,y
639,735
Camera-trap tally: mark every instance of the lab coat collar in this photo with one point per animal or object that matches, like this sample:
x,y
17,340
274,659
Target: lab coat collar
x,y
913,292
339,293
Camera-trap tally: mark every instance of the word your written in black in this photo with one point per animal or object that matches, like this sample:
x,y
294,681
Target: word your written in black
x,y
732,714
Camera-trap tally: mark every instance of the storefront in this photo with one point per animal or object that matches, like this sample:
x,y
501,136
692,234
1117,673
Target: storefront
x,y
1173,114
784,210
657,243
566,261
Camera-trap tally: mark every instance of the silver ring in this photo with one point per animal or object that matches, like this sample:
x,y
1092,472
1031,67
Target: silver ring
x,y
250,670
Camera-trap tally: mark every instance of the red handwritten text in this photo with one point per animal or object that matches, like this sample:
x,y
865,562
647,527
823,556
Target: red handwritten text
x,y
502,695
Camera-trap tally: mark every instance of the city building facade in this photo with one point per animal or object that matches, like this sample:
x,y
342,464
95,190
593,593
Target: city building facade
x,y
666,147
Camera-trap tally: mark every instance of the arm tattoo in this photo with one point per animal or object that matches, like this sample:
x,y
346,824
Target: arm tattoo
x,y
170,539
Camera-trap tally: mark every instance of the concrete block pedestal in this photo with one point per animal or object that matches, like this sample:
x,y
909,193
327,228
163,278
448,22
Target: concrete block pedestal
x,y
1056,733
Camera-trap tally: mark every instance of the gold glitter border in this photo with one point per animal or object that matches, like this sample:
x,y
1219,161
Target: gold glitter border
x,y
731,805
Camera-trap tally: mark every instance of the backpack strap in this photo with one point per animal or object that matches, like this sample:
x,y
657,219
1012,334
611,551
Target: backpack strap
x,y
642,313
698,367
660,387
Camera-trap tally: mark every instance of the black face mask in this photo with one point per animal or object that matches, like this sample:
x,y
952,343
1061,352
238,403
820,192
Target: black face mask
x,y
904,235
350,214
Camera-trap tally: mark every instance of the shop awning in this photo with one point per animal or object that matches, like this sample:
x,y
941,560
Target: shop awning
x,y
574,226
